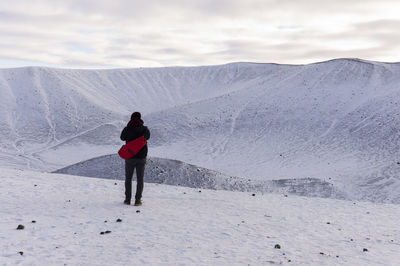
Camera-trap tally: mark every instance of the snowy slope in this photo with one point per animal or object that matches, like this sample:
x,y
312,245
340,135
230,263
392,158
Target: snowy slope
x,y
336,120
182,226
43,109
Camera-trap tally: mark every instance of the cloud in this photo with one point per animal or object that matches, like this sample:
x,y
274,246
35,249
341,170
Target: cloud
x,y
131,33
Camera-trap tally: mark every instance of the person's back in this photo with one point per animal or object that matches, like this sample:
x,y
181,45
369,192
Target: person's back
x,y
132,131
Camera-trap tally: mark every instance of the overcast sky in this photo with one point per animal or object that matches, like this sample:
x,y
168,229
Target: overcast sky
x,y
152,33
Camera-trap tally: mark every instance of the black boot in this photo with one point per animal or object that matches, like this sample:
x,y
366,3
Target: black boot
x,y
127,202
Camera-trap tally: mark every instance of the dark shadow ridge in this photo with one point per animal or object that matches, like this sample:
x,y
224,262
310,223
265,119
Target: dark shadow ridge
x,y
178,173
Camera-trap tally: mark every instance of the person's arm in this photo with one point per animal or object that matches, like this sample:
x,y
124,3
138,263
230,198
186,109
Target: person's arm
x,y
146,133
123,134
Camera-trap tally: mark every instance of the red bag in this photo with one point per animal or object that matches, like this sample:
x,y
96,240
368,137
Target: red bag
x,y
131,148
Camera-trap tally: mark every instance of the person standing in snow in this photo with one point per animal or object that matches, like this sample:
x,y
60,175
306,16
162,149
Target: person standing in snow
x,y
132,131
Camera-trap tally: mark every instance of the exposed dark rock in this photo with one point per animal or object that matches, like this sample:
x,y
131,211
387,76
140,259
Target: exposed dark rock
x,y
20,227
119,220
277,246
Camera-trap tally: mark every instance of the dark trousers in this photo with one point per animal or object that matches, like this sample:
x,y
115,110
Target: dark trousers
x,y
130,166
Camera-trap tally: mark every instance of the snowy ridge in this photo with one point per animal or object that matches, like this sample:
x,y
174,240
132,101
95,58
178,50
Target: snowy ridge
x,y
177,173
335,120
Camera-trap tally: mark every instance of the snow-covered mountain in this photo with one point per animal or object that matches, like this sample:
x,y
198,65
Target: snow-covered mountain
x,y
336,120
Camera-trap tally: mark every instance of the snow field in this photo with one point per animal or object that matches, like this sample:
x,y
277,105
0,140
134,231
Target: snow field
x,y
183,226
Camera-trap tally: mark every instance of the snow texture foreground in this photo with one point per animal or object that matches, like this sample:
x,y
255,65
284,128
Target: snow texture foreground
x,y
64,216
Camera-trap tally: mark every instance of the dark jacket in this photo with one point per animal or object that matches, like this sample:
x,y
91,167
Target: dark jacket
x,y
130,133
